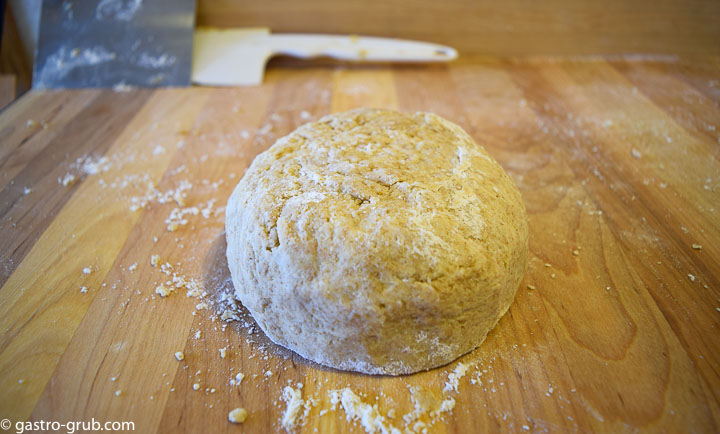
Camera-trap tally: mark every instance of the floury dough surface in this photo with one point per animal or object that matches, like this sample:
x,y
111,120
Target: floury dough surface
x,y
377,241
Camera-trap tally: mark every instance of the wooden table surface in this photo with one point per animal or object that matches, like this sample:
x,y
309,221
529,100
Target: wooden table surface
x,y
618,164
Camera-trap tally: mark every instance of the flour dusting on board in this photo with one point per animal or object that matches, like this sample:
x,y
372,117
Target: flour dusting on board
x,y
188,200
191,206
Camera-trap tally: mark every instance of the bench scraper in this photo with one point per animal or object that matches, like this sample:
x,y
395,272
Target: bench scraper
x,y
114,43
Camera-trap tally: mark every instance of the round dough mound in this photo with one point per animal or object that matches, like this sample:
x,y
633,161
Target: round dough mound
x,y
377,241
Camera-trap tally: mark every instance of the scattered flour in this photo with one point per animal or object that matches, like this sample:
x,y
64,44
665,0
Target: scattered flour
x,y
428,403
455,376
295,403
357,410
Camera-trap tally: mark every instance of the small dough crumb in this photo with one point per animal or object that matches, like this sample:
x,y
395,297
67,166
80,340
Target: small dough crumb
x,y
357,410
238,415
164,291
154,260
196,386
455,376
180,356
293,398
67,180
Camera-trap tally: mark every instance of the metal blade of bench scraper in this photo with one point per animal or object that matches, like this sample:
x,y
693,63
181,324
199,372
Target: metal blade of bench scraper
x,y
114,43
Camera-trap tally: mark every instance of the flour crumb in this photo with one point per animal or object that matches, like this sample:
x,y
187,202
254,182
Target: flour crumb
x,y
196,386
357,410
455,376
87,270
428,402
237,415
27,190
164,291
229,315
83,289
691,277
223,352
118,392
154,260
293,398
67,180
697,246
179,356
133,267
95,165
237,380
636,154
531,287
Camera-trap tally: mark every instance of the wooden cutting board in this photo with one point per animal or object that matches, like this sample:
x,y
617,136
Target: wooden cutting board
x,y
615,327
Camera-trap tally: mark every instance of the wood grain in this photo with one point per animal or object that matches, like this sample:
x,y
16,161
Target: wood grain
x,y
617,162
89,133
486,27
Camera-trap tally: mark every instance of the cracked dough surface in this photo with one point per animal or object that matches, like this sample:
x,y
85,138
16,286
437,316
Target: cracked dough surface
x,y
377,241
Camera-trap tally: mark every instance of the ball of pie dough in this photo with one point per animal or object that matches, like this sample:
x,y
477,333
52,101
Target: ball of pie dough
x,y
377,241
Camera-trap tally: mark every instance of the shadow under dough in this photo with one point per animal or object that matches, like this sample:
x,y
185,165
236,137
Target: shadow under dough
x,y
218,282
